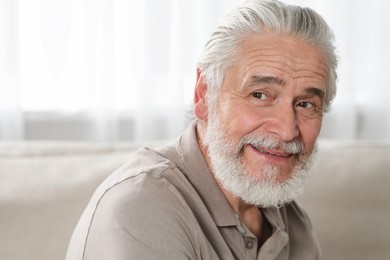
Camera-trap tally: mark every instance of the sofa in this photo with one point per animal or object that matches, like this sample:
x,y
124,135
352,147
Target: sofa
x,y
44,187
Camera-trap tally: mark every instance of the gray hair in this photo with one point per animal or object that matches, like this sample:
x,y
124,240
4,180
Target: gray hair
x,y
257,16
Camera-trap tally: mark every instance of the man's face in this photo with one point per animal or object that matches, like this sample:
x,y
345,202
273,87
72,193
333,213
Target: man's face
x,y
268,114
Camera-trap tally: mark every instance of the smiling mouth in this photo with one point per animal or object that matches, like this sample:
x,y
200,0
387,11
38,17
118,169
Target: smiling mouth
x,y
277,153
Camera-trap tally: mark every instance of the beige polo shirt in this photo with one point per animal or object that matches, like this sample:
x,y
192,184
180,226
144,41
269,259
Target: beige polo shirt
x,y
165,204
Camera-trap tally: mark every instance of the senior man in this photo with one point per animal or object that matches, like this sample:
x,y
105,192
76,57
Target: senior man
x,y
225,189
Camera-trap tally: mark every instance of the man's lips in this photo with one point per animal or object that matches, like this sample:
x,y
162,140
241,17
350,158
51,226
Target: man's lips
x,y
273,152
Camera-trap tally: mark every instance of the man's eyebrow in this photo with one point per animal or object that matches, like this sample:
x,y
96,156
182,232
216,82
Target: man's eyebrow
x,y
258,80
316,92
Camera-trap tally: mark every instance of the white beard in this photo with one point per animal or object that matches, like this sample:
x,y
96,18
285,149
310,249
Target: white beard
x,y
229,171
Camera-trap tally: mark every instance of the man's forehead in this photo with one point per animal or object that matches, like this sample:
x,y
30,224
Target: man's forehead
x,y
272,59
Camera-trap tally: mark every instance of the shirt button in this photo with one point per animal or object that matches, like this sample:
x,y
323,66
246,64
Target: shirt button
x,y
249,244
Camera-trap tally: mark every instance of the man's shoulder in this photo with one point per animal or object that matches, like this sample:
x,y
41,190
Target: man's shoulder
x,y
144,162
148,176
140,204
145,196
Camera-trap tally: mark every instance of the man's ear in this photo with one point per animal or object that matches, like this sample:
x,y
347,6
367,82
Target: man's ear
x,y
200,103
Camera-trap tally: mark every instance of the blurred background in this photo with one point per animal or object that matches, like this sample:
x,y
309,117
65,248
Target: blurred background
x,y
114,70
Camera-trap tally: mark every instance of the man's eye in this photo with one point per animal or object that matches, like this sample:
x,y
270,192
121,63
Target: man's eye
x,y
259,95
306,104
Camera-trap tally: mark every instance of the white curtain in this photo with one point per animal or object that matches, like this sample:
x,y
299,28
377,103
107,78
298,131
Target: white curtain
x,y
127,67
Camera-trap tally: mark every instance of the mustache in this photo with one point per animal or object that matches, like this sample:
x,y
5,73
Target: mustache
x,y
293,147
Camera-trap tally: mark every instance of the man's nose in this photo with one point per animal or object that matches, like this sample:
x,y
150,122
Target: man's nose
x,y
283,123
